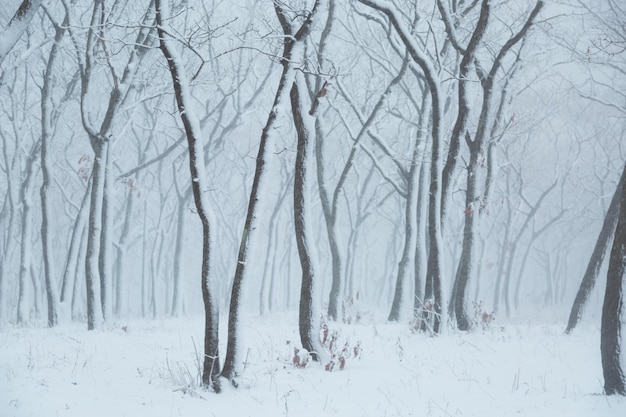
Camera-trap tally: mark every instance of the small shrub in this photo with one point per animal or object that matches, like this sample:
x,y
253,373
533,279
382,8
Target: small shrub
x,y
424,317
482,318
338,356
301,357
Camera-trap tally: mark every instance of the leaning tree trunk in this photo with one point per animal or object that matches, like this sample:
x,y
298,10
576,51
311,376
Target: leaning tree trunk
x,y
17,26
597,256
260,182
211,363
613,310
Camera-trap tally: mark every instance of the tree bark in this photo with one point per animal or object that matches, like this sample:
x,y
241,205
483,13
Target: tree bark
x,y
469,233
597,256
211,363
259,183
412,216
460,125
303,226
472,195
17,26
92,273
613,312
48,116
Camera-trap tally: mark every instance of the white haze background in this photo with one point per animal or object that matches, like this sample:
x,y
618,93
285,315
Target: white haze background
x,y
519,366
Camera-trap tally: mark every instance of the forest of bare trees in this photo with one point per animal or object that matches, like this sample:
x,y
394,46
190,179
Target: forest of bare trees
x,y
444,162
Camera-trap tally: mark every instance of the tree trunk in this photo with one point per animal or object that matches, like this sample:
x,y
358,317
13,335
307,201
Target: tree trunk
x,y
302,221
211,365
77,304
597,256
121,248
26,200
270,254
435,256
613,310
75,245
410,235
505,248
466,263
177,296
106,246
257,193
421,247
47,121
460,126
17,25
92,272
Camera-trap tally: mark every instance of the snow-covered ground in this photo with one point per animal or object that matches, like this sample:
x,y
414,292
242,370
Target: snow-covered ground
x,y
149,368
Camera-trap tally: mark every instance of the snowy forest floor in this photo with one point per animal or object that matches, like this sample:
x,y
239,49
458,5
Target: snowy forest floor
x,y
149,368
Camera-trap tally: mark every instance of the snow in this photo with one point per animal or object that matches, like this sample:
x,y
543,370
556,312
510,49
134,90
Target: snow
x,y
15,28
142,368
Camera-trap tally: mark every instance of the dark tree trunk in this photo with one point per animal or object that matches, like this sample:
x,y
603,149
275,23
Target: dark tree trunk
x,y
473,199
291,38
613,313
211,363
466,262
597,256
302,205
463,107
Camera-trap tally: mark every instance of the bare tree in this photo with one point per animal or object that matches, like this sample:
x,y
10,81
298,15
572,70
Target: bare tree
x,y
477,147
308,320
613,309
292,50
17,26
211,363
607,53
99,242
431,75
49,117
